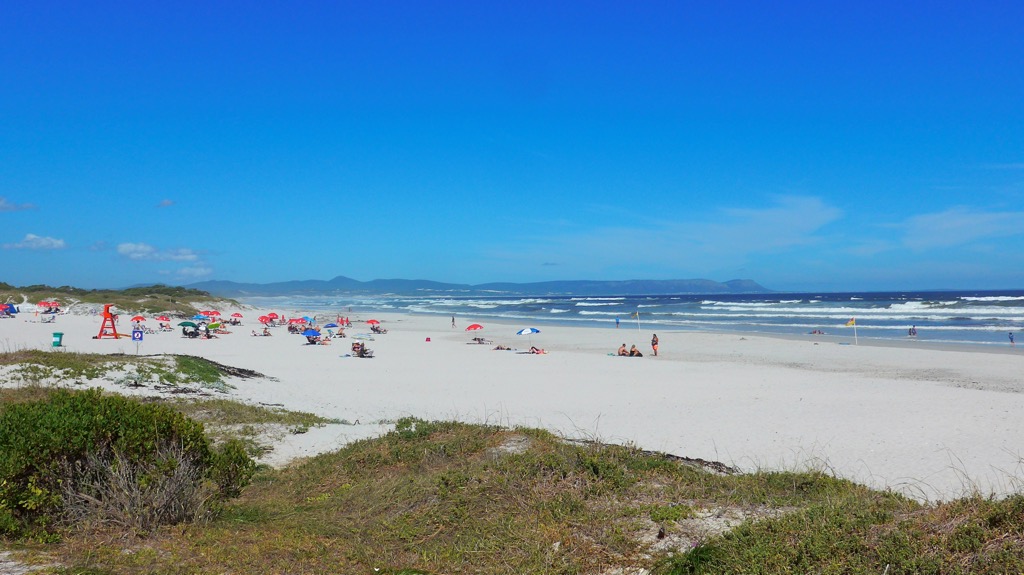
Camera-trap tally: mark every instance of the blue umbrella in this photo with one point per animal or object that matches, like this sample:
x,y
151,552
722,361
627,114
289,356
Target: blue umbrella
x,y
309,319
528,331
200,318
311,333
332,324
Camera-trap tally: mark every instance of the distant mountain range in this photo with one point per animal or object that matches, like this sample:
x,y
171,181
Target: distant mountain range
x,y
345,285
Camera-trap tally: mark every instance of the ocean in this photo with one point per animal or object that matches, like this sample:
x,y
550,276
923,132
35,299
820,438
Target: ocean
x,y
962,317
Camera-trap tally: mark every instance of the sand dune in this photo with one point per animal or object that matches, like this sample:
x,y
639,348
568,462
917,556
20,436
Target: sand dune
x,y
931,423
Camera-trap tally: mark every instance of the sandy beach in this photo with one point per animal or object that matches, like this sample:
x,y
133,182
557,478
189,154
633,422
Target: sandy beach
x,y
932,423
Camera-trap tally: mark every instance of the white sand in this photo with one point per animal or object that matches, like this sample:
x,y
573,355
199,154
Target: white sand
x,y
931,423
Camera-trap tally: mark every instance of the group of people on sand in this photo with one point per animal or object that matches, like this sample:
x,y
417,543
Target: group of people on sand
x,y
634,352
631,352
266,332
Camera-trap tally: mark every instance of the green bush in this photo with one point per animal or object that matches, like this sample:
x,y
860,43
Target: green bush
x,y
67,456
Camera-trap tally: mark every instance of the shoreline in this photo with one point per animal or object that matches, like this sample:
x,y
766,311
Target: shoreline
x,y
911,418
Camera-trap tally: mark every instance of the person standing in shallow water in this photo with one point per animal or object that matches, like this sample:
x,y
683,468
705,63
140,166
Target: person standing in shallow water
x,y
654,344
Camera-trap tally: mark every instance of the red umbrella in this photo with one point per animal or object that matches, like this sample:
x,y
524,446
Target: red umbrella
x,y
236,314
296,320
163,318
373,322
207,313
474,327
263,319
214,312
273,315
138,318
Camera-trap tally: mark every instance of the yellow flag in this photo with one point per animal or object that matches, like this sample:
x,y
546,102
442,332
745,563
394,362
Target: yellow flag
x,y
635,314
853,321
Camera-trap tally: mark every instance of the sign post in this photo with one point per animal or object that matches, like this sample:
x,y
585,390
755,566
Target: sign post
x,y
137,338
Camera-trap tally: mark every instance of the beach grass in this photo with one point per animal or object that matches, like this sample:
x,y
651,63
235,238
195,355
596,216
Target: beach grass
x,y
446,497
36,367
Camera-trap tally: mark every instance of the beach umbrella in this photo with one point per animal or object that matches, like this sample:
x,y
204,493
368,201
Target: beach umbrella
x,y
214,325
263,319
187,324
206,312
198,317
163,318
528,332
138,318
214,312
332,324
273,315
309,319
311,333
295,320
236,314
373,322
474,327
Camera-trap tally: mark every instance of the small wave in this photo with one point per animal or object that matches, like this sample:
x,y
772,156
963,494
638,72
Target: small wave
x,y
596,298
556,310
587,304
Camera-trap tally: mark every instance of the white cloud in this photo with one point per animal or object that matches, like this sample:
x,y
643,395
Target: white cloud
x,y
34,242
146,252
195,272
959,226
727,239
6,206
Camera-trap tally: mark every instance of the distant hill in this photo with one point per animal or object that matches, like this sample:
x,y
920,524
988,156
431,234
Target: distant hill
x,y
342,285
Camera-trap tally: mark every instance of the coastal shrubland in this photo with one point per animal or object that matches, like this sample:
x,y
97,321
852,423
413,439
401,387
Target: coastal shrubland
x,y
84,458
444,497
159,298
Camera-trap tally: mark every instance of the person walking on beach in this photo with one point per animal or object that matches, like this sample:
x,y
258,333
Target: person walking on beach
x,y
616,323
1011,339
654,344
453,321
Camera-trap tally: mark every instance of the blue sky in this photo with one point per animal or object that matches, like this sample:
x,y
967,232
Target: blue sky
x,y
805,145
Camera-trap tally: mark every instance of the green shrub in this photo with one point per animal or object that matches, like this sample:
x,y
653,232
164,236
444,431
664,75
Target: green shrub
x,y
85,455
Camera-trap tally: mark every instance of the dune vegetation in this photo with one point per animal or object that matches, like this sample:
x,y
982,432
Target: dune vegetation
x,y
446,497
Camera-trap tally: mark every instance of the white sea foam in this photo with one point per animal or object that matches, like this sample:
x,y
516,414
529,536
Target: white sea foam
x,y
993,298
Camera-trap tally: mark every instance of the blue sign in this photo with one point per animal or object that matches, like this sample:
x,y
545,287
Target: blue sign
x,y
136,335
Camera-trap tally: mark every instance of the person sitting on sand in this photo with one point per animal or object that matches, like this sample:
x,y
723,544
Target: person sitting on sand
x,y
622,350
254,334
266,331
634,352
536,350
502,347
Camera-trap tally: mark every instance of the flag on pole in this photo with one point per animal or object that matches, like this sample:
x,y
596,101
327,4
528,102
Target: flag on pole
x,y
853,321
635,314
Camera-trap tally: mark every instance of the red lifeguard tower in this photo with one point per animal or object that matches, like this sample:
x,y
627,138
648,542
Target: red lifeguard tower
x,y
108,328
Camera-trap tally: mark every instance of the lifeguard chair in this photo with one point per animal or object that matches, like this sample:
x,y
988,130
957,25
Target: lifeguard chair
x,y
108,328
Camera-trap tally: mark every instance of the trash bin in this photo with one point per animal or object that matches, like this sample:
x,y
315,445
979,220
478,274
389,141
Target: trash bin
x,y
58,337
